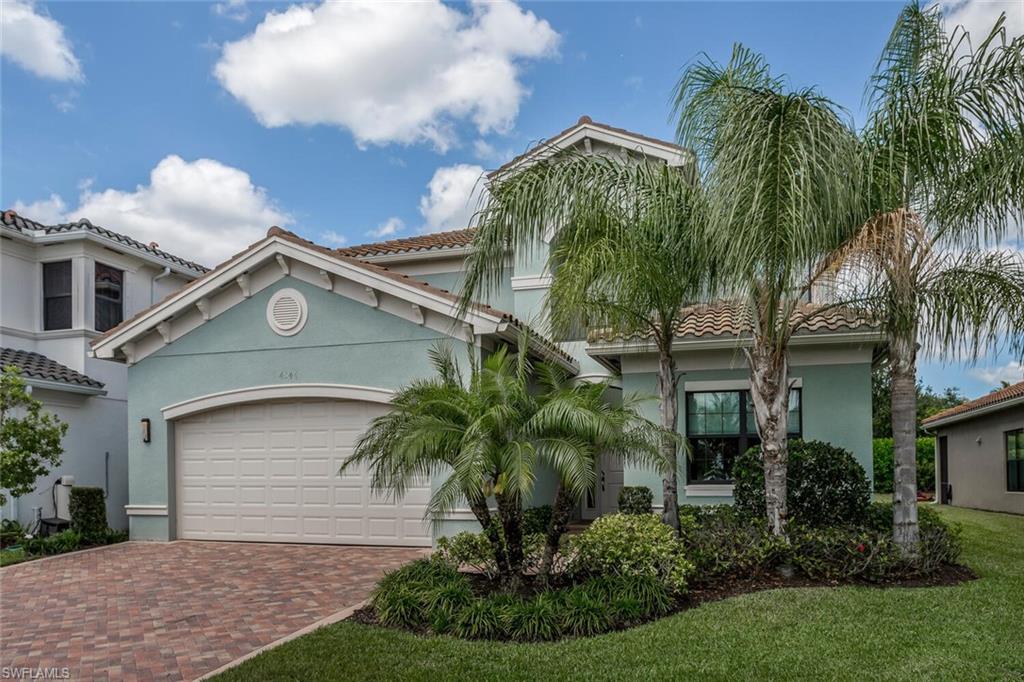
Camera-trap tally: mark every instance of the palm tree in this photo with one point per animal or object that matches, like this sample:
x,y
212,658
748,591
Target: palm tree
x,y
777,166
487,437
627,253
943,152
583,413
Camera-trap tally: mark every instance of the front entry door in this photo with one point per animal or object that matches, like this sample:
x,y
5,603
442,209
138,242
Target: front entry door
x,y
945,489
605,498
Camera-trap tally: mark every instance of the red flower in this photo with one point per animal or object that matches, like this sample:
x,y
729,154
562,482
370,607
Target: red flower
x,y
860,548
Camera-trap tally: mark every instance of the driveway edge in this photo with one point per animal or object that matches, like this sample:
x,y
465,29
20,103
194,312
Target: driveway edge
x,y
323,622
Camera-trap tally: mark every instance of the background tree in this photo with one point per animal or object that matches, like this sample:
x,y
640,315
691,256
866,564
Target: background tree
x,y
29,438
779,167
943,153
928,402
628,253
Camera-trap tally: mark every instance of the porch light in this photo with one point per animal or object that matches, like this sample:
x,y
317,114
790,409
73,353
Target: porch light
x,y
145,429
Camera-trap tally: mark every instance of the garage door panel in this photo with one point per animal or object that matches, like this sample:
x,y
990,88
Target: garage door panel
x,y
269,472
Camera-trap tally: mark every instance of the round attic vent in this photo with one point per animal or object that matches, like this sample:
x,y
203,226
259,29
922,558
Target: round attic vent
x,y
286,312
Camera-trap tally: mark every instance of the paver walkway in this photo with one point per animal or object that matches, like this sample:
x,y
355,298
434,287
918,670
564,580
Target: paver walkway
x,y
173,611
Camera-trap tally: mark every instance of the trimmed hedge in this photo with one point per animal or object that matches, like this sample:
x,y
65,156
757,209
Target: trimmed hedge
x,y
88,513
826,486
882,454
636,499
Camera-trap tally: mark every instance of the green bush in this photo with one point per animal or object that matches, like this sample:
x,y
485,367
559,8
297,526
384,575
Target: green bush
x,y
11,533
585,612
88,514
940,541
630,545
536,619
59,543
536,520
404,596
482,619
883,464
468,549
723,542
649,594
842,553
635,499
826,486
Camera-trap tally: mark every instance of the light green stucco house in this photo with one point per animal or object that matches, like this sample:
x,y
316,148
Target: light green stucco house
x,y
247,388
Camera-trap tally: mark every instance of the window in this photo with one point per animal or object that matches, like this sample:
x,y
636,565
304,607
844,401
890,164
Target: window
x,y
1015,461
57,295
109,308
720,425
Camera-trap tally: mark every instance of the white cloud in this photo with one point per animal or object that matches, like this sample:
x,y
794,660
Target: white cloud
x,y
453,196
388,228
485,151
236,10
333,238
48,211
36,42
386,71
202,210
1011,372
979,16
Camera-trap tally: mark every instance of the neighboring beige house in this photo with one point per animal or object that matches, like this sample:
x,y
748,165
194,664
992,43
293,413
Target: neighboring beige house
x,y
979,452
62,286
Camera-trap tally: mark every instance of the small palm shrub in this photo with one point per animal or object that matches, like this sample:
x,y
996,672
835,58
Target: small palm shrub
x,y
405,597
826,486
630,545
585,612
636,499
648,594
482,619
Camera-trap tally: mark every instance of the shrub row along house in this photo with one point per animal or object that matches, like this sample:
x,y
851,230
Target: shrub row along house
x,y
248,387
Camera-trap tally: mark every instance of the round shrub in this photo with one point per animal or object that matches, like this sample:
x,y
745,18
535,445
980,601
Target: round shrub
x,y
636,499
630,545
826,486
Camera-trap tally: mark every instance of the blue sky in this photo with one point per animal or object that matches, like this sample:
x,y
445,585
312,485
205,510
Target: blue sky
x,y
197,125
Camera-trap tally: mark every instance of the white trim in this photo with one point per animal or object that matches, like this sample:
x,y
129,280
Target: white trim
x,y
731,384
146,509
276,392
63,387
708,490
299,299
528,282
971,414
603,348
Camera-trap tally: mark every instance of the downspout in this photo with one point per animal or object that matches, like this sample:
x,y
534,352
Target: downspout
x,y
152,283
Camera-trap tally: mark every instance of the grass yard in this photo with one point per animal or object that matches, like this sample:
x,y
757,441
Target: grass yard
x,y
972,631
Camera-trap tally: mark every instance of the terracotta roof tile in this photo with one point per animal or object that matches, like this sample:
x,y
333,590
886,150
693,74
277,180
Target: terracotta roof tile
x,y
729,318
993,398
426,242
21,224
37,366
583,120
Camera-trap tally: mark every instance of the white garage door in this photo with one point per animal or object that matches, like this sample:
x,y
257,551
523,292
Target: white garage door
x,y
268,472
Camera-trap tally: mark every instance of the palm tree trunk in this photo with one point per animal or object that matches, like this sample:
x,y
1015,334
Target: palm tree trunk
x,y
769,393
483,516
903,377
510,514
560,512
667,382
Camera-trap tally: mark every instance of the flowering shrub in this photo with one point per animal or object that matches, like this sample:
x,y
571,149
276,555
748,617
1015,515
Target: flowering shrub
x,y
630,545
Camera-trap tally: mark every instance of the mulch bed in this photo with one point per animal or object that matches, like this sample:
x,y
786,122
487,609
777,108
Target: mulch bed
x,y
947,576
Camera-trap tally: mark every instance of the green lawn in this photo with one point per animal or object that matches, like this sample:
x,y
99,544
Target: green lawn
x,y
973,631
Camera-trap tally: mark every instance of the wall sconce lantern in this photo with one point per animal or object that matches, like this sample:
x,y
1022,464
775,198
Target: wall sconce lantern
x,y
145,430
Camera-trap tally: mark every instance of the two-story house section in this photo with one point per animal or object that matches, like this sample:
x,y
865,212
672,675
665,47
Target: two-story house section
x,y
60,287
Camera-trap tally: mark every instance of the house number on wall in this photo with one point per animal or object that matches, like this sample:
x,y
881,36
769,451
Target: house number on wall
x,y
290,375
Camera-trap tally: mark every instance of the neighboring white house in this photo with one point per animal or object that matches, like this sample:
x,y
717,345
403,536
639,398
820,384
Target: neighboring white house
x,y
60,287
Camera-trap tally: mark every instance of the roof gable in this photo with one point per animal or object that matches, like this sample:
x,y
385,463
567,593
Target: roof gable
x,y
282,254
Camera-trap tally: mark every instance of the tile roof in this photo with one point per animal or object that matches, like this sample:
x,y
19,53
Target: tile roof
x,y
584,120
335,253
964,409
21,224
730,318
37,366
426,242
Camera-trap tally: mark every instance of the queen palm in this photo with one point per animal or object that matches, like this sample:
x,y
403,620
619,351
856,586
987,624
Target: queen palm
x,y
943,150
487,437
777,166
628,252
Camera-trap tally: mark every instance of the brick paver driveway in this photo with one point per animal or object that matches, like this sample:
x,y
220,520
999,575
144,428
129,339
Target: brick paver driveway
x,y
177,610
